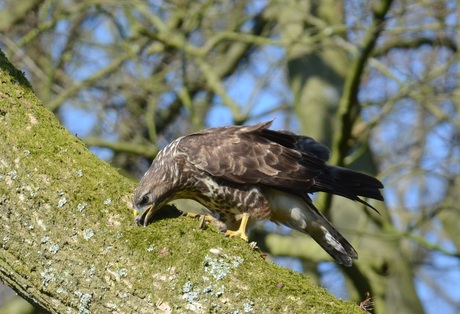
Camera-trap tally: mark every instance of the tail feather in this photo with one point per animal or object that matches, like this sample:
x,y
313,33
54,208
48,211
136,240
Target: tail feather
x,y
322,231
349,184
335,245
299,213
359,183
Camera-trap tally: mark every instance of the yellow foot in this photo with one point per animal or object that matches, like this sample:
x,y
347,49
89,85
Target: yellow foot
x,y
241,232
192,215
237,233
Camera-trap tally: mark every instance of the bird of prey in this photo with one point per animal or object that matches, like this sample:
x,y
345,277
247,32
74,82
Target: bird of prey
x,y
242,173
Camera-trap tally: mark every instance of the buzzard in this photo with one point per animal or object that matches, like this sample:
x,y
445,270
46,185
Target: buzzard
x,y
251,173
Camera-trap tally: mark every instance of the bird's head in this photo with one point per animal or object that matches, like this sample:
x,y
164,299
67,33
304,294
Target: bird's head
x,y
149,197
157,187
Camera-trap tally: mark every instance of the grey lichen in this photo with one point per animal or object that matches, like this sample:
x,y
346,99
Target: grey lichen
x,y
207,289
88,234
5,241
112,306
189,294
12,174
248,307
209,293
47,276
81,206
54,248
85,300
220,267
62,201
219,291
92,270
122,272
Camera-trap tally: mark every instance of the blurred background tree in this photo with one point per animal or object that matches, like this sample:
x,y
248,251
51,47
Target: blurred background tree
x,y
374,80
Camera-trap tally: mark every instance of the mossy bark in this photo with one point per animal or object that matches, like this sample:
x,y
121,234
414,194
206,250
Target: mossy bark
x,y
69,243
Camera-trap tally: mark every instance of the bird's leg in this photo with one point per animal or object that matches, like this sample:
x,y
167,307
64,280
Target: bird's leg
x,y
241,232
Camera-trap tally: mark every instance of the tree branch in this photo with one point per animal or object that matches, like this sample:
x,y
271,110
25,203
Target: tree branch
x,y
123,147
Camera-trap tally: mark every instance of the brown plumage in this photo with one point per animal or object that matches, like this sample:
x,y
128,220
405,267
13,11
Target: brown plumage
x,y
251,172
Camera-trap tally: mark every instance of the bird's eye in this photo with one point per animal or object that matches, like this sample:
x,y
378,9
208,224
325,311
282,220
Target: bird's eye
x,y
146,199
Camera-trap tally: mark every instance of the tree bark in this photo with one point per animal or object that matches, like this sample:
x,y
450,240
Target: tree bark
x,y
69,243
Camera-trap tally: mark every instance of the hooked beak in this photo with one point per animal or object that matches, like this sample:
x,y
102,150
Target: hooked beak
x,y
144,218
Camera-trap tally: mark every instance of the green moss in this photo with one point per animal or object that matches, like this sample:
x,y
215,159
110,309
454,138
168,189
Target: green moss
x,y
249,278
15,75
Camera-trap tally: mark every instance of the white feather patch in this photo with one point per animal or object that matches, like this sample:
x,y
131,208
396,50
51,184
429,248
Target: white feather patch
x,y
289,209
296,214
333,242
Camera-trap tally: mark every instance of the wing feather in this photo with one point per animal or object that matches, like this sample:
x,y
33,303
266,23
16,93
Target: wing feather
x,y
252,154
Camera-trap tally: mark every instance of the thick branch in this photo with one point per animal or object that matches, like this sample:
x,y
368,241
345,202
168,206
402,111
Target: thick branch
x,y
123,147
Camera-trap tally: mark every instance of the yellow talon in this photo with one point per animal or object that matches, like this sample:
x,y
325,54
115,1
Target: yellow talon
x,y
241,232
202,223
